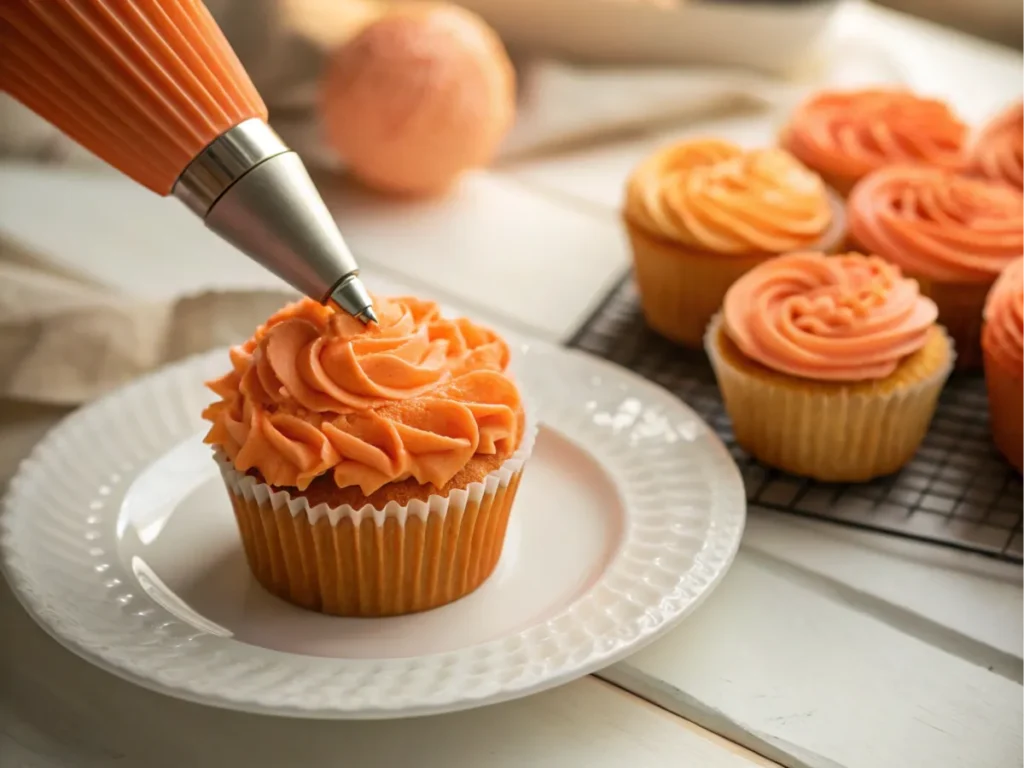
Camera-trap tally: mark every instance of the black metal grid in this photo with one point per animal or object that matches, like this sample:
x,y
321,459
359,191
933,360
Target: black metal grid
x,y
957,491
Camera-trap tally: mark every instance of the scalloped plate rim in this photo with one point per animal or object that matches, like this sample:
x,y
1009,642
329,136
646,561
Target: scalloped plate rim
x,y
732,535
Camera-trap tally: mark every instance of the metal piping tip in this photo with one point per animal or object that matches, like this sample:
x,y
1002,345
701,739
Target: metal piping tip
x,y
351,295
255,193
367,316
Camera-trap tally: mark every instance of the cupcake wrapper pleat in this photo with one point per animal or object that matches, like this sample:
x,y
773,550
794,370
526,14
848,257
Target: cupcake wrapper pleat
x,y
681,289
832,436
1006,409
367,569
371,561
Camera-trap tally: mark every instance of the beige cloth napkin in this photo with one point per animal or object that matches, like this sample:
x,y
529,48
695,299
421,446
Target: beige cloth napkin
x,y
64,339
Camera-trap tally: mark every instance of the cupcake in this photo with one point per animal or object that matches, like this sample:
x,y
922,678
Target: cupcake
x,y
701,213
953,234
1001,341
371,468
997,153
830,366
845,135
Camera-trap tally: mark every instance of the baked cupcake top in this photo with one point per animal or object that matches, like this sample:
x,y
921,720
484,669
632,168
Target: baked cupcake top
x,y
851,133
314,391
936,224
714,196
828,318
1003,334
998,151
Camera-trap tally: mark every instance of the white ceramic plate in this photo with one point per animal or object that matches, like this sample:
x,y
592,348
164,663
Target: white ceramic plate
x,y
117,536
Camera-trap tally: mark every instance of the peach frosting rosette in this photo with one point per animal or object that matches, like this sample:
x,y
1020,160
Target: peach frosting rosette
x,y
844,135
830,366
952,233
1002,344
997,153
350,452
701,213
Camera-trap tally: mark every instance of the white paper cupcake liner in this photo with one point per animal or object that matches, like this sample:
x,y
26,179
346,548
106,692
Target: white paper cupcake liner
x,y
834,434
248,487
369,561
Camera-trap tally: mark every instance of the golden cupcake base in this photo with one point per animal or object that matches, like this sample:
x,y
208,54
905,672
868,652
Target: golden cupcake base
x,y
367,568
1006,409
681,289
830,431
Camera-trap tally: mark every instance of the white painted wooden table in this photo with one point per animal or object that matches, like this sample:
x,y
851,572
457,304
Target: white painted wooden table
x,y
823,647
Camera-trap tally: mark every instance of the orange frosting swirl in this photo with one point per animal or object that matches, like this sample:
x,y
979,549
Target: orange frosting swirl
x,y
936,224
314,391
831,318
1003,335
851,133
714,196
998,151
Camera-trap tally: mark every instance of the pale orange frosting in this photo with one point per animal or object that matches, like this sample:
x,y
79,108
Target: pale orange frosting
x,y
851,133
998,152
713,195
937,224
1003,335
415,396
828,318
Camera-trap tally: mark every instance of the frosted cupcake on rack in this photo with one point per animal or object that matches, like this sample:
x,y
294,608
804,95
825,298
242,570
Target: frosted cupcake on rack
x,y
845,135
830,366
953,234
701,213
372,469
1002,341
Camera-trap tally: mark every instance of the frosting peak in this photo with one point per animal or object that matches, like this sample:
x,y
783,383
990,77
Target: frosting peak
x,y
830,318
937,224
998,151
714,196
1003,334
851,133
415,395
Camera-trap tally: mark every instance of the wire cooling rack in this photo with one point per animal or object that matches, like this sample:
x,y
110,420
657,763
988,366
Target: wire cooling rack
x,y
957,491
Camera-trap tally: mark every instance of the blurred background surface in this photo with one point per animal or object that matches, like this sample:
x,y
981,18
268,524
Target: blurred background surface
x,y
284,44
997,20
